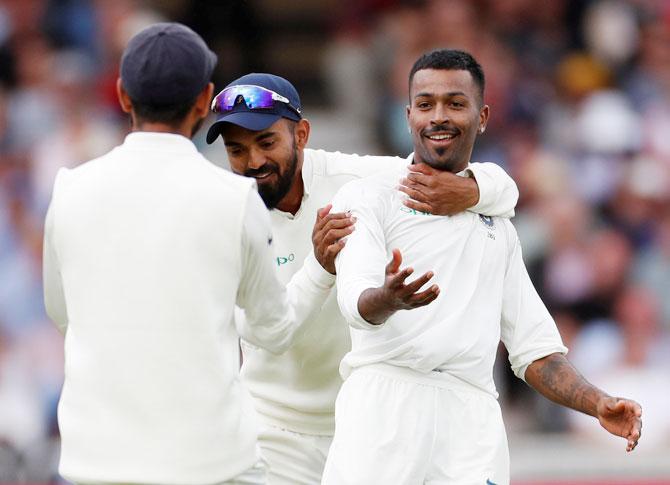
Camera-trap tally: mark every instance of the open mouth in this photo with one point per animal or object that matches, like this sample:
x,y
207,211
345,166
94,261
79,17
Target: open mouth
x,y
441,137
262,175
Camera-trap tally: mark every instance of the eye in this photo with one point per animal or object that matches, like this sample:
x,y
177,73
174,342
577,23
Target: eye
x,y
456,104
266,145
423,105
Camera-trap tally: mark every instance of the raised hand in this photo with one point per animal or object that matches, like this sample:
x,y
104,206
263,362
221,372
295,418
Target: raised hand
x,y
328,235
621,417
437,191
376,305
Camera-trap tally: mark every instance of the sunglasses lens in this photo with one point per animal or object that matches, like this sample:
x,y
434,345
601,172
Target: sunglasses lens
x,y
254,97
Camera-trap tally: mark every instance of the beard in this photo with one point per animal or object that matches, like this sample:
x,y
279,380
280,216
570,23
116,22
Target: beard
x,y
273,193
442,158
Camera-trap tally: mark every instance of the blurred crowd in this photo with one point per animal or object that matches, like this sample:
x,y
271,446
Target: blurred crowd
x,y
580,117
580,100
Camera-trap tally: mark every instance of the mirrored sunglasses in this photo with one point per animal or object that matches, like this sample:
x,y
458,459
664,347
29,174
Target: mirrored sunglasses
x,y
255,97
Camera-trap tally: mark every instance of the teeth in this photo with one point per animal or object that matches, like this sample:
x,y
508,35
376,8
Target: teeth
x,y
441,137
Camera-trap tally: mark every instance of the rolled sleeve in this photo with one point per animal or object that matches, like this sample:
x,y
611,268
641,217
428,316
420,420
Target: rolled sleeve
x,y
498,193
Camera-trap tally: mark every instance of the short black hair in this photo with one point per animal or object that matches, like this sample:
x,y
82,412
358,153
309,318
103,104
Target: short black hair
x,y
450,59
171,115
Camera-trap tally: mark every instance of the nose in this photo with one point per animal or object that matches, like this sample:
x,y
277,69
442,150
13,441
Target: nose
x,y
256,159
440,115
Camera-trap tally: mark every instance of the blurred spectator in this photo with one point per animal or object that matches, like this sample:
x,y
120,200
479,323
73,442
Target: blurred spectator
x,y
630,354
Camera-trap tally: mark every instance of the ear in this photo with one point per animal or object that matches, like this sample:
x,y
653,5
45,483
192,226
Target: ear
x,y
122,95
483,118
203,101
409,127
302,130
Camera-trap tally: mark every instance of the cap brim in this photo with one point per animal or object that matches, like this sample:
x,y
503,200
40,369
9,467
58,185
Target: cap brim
x,y
251,121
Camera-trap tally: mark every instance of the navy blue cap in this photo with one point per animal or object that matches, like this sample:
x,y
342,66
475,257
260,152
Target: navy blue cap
x,y
258,120
166,64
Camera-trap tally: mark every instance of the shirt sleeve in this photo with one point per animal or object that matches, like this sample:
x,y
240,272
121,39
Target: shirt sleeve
x,y
498,193
527,329
54,297
272,312
361,263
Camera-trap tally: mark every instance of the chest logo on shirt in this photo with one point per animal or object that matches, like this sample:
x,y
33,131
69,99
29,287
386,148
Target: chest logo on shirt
x,y
487,220
414,212
285,259
490,225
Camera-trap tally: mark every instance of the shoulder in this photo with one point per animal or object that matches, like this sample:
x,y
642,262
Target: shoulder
x,y
332,164
366,191
224,176
91,168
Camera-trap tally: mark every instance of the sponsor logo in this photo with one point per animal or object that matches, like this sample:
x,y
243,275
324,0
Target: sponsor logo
x,y
285,259
414,212
489,482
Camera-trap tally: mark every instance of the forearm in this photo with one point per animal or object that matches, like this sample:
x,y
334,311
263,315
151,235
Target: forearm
x,y
556,379
374,307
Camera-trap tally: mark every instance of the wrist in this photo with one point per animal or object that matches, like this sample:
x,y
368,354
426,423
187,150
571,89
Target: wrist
x,y
374,307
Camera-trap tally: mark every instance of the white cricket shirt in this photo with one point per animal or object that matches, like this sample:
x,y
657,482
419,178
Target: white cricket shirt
x,y
147,251
297,390
486,293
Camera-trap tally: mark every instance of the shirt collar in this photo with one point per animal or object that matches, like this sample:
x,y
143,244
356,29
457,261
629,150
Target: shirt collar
x,y
307,173
153,140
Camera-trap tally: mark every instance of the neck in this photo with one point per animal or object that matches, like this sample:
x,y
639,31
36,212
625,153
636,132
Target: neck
x,y
162,128
447,167
293,199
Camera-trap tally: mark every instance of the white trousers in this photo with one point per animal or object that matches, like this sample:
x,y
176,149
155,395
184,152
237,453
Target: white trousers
x,y
293,458
397,426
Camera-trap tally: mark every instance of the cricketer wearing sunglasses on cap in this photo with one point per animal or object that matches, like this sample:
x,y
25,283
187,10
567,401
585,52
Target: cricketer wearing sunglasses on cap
x,y
259,117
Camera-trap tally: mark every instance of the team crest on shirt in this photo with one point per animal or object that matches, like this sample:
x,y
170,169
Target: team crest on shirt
x,y
490,225
487,220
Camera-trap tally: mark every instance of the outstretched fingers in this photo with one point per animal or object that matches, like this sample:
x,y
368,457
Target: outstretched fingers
x,y
394,265
425,297
397,281
416,285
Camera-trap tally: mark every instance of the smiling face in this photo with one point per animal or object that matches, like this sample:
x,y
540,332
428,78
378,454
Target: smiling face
x,y
271,156
445,115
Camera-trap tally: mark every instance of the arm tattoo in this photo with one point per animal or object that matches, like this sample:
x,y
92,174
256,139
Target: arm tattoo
x,y
555,378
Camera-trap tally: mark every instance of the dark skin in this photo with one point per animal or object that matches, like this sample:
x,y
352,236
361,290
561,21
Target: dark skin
x,y
556,379
376,305
445,116
186,127
267,155
443,104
